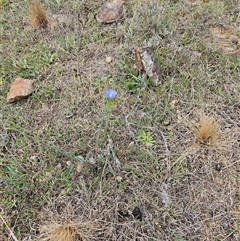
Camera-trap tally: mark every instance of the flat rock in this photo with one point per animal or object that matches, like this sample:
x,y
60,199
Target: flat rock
x,y
20,89
110,11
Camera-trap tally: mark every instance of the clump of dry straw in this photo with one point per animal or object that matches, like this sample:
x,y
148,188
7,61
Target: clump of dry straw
x,y
75,231
38,16
208,131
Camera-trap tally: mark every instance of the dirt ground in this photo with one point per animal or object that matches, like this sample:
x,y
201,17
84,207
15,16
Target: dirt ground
x,y
158,162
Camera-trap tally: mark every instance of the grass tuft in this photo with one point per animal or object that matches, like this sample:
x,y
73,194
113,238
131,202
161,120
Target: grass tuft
x,y
38,16
68,232
208,131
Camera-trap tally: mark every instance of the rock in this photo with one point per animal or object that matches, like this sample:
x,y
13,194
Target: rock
x,y
119,178
109,60
167,121
110,11
147,65
69,163
20,89
173,103
79,167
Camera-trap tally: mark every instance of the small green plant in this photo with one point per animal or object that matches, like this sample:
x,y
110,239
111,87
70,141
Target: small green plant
x,y
67,43
3,3
178,238
146,138
135,82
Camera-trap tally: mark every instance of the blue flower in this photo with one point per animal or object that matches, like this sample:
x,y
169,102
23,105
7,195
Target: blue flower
x,y
110,94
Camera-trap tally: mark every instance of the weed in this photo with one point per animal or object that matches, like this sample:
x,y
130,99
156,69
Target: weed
x,y
2,3
146,138
177,237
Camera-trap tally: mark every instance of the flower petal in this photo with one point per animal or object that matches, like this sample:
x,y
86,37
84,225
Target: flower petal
x,y
111,94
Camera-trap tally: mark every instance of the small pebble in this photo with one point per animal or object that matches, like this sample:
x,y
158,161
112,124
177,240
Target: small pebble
x,y
109,59
166,122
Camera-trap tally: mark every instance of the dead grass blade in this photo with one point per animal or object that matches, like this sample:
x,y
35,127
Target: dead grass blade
x,y
9,229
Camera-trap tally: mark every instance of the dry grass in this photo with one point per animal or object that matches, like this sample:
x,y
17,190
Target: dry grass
x,y
208,131
38,16
184,193
227,39
81,231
